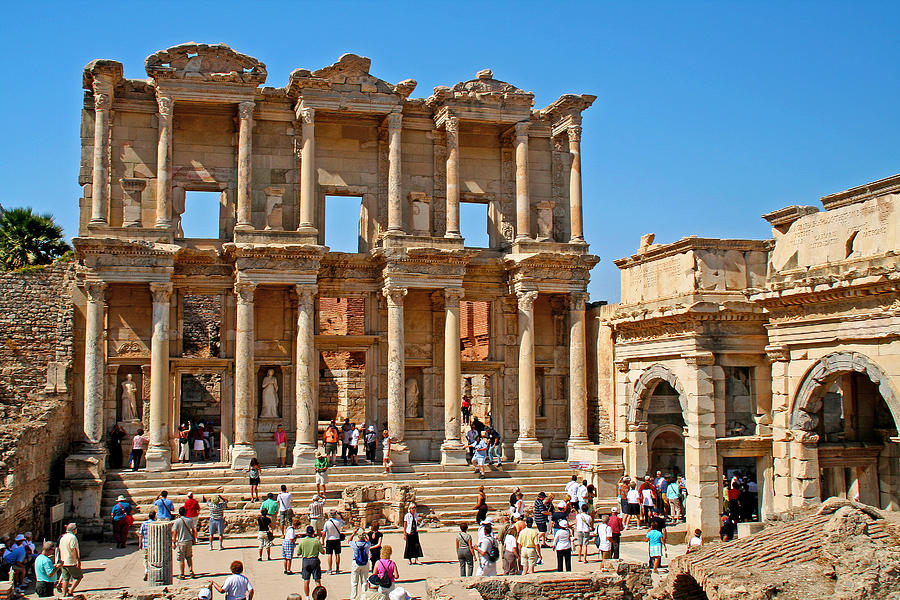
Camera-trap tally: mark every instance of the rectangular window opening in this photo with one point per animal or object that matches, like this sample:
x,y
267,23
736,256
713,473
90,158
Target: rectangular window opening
x,y
200,218
342,316
475,329
473,224
343,219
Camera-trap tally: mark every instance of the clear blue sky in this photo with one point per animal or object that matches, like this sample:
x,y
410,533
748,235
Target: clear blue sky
x,y
708,113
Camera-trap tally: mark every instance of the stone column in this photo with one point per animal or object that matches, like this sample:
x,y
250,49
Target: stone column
x,y
396,373
159,453
453,452
100,172
307,405
159,553
164,163
527,448
395,210
577,236
780,357
244,378
308,172
700,455
245,166
94,359
452,178
578,404
523,204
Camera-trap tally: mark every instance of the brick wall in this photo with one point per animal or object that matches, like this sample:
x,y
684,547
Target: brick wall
x,y
342,316
202,318
475,329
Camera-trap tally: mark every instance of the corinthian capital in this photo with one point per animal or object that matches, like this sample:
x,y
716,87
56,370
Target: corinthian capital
x,y
244,291
452,125
526,300
307,115
161,292
394,295
574,132
577,300
522,129
102,101
452,296
306,294
165,104
95,290
394,121
245,109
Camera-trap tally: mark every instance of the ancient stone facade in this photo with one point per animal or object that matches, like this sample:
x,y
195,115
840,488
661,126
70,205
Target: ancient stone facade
x,y
376,334
779,358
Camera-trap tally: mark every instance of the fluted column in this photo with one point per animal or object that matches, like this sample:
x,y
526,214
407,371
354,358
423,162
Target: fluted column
x,y
159,553
307,406
396,370
245,165
452,177
578,412
395,210
523,204
94,359
527,447
100,172
164,163
574,132
308,171
159,453
244,379
452,450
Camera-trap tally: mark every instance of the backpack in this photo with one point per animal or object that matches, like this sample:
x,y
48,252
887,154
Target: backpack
x,y
493,554
385,579
360,554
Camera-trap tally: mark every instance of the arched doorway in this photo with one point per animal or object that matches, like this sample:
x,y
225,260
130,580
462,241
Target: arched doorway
x,y
848,402
665,431
667,452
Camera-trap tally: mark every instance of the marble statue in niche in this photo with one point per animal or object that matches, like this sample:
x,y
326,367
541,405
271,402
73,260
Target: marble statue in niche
x,y
412,397
129,399
269,396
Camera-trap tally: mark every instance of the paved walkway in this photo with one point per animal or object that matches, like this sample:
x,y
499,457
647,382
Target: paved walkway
x,y
109,568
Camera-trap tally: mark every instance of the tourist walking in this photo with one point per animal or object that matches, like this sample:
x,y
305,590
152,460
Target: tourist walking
x,y
540,516
480,455
603,534
331,438
615,527
144,541
184,536
217,505
465,551
623,487
562,543
510,552
648,501
385,574
264,535
386,461
121,520
164,507
359,567
254,471
481,506
69,560
288,544
529,547
489,552
333,537
137,449
237,586
471,439
285,501
317,513
572,486
413,550
656,545
309,548
375,538
280,437
727,528
583,525
45,571
371,444
494,448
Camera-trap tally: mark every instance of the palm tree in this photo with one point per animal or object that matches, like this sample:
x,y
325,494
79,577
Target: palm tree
x,y
27,238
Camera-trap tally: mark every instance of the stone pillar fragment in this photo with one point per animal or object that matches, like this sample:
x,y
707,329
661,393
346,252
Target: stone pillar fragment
x,y
164,163
308,171
245,166
578,404
244,378
307,405
94,359
577,229
100,172
159,553
452,178
395,209
523,203
700,455
527,448
396,373
131,202
159,453
452,450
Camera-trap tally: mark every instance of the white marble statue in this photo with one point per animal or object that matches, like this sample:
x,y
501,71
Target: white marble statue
x,y
269,396
129,399
412,397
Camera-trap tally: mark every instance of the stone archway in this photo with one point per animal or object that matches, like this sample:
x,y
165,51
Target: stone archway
x,y
643,389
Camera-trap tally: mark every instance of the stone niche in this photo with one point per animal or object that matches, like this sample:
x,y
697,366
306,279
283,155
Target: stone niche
x,y
270,402
121,377
413,389
131,201
420,210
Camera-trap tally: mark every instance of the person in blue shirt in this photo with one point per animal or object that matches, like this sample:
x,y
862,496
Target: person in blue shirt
x,y
15,556
121,521
164,506
144,540
46,571
657,542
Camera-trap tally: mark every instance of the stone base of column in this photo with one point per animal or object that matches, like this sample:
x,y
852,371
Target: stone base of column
x,y
400,455
304,459
453,453
82,489
241,454
454,236
528,451
574,445
244,227
159,458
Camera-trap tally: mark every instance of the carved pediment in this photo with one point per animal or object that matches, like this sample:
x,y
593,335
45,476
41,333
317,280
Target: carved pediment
x,y
349,71
484,89
209,62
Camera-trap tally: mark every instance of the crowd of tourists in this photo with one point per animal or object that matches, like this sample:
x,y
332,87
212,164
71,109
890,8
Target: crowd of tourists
x,y
51,567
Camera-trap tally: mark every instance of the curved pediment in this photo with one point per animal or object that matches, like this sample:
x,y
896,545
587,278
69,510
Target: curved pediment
x,y
350,71
484,89
209,62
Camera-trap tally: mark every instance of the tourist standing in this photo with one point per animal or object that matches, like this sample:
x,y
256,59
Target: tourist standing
x,y
359,568
604,538
471,439
572,487
494,447
375,538
480,456
46,571
121,520
583,525
15,556
197,443
386,451
288,545
623,487
184,446
726,530
264,535
413,550
70,561
353,450
648,501
510,552
317,513
192,509
184,536
331,437
466,408
656,542
253,472
237,586
488,551
285,501
114,443
634,506
333,537
371,444
385,571
346,429
321,469
144,541
280,437
529,547
540,516
164,506
517,509
673,494
270,505
309,548
465,551
481,506
217,506
137,449
615,527
562,543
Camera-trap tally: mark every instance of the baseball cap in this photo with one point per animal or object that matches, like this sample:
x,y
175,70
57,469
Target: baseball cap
x,y
614,509
310,530
20,538
542,495
205,594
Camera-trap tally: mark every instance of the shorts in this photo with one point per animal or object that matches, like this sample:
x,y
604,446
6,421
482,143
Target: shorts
x,y
285,517
287,549
184,551
317,523
263,540
198,446
352,450
72,573
655,550
321,478
217,526
333,547
529,556
254,481
280,450
311,569
330,447
44,589
479,460
584,537
542,527
634,509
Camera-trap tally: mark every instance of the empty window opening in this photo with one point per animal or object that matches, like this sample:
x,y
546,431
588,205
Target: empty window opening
x,y
473,224
343,219
201,323
475,329
342,316
199,216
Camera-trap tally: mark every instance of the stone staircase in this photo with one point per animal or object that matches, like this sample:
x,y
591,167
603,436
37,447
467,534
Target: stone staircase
x,y
444,495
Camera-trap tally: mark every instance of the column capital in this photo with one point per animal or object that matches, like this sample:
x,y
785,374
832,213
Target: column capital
x,y
778,353
306,293
452,296
245,109
394,121
165,104
307,115
161,291
522,129
244,291
526,299
452,124
394,295
577,300
574,132
102,100
95,290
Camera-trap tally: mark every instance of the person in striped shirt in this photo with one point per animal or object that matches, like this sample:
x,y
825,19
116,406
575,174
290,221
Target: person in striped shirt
x,y
317,514
217,505
541,515
144,540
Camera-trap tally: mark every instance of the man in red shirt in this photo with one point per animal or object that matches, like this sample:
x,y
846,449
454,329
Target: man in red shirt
x,y
191,509
615,524
280,445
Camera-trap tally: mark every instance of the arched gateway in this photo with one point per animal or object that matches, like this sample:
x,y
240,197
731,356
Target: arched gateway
x,y
656,414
